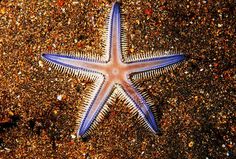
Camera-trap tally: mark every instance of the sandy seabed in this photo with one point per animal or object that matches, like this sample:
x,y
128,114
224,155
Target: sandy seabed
x,y
195,102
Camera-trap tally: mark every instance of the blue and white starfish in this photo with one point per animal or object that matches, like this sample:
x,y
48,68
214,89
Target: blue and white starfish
x,y
114,74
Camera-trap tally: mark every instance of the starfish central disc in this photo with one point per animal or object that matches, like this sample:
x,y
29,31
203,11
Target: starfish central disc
x,y
115,71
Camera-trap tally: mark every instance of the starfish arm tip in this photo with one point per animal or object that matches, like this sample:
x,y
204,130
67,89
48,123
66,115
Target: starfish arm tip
x,y
81,132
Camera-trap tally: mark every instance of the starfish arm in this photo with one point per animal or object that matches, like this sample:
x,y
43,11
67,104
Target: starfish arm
x,y
161,61
147,68
112,31
140,106
96,107
81,64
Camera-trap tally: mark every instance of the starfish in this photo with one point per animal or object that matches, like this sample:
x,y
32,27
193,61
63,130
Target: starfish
x,y
114,74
